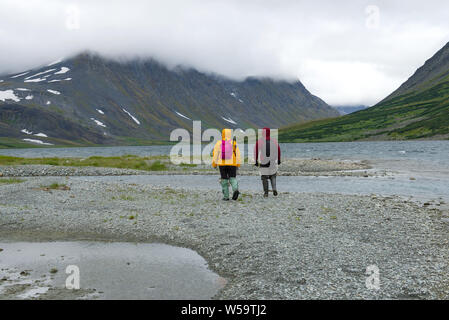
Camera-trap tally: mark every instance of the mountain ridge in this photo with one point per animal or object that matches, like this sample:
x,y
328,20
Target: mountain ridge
x,y
428,73
143,100
418,109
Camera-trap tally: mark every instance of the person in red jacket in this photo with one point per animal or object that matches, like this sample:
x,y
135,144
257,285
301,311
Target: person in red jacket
x,y
267,155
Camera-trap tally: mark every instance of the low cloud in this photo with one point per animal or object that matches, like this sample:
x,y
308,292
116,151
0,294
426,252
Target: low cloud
x,y
344,52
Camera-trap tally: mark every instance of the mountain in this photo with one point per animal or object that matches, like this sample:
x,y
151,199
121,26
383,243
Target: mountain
x,y
343,110
432,74
418,109
91,100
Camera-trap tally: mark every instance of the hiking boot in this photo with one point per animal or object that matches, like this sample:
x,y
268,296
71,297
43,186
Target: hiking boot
x,y
235,188
275,193
265,195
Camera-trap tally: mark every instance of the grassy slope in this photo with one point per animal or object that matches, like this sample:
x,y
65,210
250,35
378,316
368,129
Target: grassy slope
x,y
124,162
423,113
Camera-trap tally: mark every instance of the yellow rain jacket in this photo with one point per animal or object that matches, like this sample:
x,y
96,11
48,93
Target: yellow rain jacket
x,y
216,156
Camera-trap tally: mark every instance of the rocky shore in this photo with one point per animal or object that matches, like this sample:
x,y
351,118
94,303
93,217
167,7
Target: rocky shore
x,y
294,246
290,167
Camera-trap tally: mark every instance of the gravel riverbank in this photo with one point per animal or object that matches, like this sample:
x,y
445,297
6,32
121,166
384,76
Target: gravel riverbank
x,y
295,246
290,167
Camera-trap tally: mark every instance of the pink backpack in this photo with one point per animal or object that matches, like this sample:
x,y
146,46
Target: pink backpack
x,y
226,149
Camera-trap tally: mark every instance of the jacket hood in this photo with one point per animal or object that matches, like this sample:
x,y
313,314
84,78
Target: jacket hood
x,y
226,134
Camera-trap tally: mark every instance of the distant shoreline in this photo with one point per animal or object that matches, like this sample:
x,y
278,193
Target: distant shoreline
x,y
160,165
23,145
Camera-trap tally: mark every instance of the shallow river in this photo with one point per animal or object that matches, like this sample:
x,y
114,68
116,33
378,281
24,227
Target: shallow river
x,y
426,161
423,188
436,152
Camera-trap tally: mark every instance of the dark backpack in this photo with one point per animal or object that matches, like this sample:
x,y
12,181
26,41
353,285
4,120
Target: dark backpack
x,y
266,154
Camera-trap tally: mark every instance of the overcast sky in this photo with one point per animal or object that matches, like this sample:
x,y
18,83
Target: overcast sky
x,y
346,52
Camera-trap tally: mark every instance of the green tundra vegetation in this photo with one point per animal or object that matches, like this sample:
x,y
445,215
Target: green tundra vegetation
x,y
10,181
418,109
419,114
153,163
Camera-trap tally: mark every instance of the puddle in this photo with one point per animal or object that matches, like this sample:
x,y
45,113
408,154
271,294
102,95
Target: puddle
x,y
106,271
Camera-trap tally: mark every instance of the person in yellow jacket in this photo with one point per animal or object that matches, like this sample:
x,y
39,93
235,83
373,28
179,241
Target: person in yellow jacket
x,y
226,156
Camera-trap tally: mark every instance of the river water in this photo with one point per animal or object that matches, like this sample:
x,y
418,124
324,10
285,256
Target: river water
x,y
436,152
425,161
116,270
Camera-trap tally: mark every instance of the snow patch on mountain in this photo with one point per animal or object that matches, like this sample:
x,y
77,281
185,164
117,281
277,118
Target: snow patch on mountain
x,y
22,89
8,95
19,75
54,91
37,141
40,73
26,131
229,120
63,70
132,117
100,111
36,80
40,134
54,62
99,123
59,80
181,115
29,97
233,94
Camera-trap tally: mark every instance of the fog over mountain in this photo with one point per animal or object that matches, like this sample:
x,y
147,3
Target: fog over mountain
x,y
90,99
348,53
